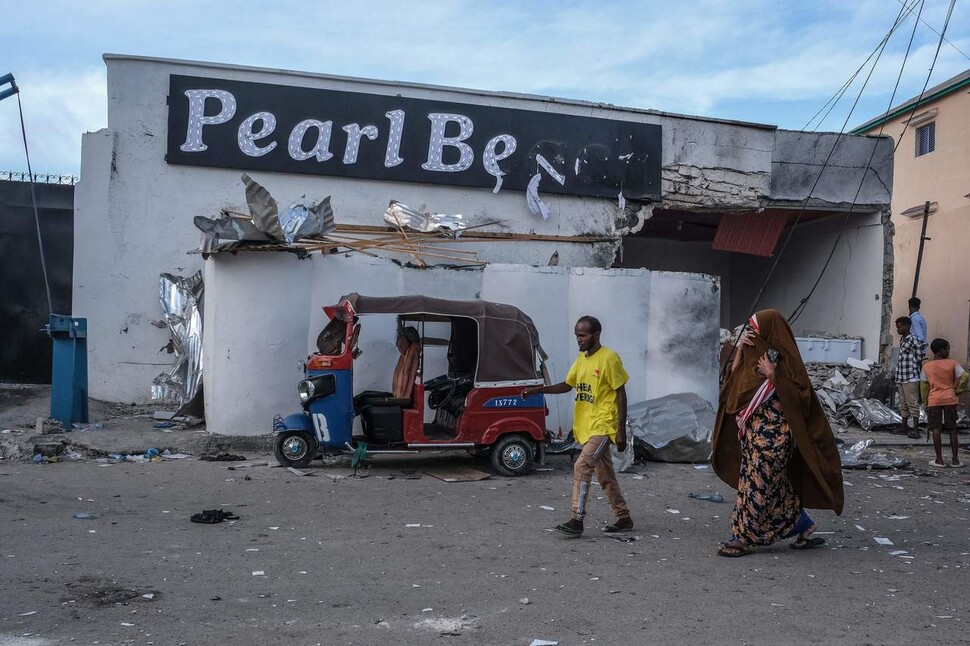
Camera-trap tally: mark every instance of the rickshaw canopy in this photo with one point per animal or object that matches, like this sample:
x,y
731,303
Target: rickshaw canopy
x,y
506,339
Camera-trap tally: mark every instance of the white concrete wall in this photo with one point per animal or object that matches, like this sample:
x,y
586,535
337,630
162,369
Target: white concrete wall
x,y
263,315
849,297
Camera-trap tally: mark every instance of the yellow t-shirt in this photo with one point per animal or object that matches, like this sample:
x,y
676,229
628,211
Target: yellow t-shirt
x,y
596,380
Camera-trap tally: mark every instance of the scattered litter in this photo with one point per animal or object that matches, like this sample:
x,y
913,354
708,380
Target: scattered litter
x,y
275,528
296,471
673,428
711,497
547,508
427,610
897,517
77,426
164,425
865,365
700,466
543,642
624,539
85,515
882,540
860,528
149,596
413,525
259,573
458,473
27,614
673,511
127,623
402,215
223,457
870,413
898,552
853,458
524,601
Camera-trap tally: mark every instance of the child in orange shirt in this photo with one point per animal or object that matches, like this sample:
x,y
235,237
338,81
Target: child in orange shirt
x,y
942,382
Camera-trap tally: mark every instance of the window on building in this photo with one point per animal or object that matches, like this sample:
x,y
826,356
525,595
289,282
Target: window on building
x,y
926,139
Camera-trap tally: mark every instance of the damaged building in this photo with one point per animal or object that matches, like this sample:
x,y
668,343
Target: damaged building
x,y
665,226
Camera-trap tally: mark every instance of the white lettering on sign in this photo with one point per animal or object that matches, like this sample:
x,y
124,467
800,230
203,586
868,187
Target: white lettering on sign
x,y
354,133
392,157
490,158
320,424
436,146
320,150
582,167
198,120
247,137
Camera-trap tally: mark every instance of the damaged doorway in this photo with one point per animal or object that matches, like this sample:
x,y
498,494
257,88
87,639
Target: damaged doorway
x,y
740,247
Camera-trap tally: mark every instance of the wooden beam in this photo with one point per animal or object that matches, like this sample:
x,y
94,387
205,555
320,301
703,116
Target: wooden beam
x,y
480,235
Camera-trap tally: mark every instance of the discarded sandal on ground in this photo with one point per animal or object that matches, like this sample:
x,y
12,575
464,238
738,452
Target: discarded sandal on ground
x,y
212,516
570,528
619,525
807,543
732,551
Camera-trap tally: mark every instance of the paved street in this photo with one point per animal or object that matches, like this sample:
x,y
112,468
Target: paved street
x,y
394,558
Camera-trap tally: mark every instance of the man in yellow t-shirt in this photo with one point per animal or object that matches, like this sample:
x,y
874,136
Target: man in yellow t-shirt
x,y
599,419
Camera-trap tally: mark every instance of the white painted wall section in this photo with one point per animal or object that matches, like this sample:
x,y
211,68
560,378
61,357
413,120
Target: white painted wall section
x,y
263,314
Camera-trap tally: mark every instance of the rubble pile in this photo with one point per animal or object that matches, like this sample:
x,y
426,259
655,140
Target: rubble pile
x,y
854,393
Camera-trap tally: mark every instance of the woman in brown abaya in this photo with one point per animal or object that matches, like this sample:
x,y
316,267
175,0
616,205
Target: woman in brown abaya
x,y
772,442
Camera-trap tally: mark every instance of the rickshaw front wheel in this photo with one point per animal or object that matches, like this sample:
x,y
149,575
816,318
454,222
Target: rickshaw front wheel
x,y
295,449
513,455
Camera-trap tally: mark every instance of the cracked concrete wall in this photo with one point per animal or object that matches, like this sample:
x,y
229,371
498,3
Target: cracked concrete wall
x,y
799,158
714,165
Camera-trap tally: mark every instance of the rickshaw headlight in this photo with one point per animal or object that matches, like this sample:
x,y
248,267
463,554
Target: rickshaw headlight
x,y
306,390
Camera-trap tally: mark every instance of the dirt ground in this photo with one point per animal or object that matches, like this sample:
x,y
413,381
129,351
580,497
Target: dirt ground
x,y
400,557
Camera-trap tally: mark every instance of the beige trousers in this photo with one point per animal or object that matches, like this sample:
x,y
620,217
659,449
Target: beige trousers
x,y
595,459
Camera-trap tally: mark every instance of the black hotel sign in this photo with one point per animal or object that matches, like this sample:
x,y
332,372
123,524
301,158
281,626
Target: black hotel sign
x,y
258,126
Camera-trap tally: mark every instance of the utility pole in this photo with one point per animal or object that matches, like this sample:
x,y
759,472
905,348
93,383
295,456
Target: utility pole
x,y
922,241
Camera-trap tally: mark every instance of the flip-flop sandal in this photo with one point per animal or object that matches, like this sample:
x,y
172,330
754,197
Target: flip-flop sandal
x,y
563,528
807,543
732,551
616,528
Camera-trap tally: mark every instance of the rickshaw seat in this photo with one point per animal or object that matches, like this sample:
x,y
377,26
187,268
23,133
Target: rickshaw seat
x,y
405,373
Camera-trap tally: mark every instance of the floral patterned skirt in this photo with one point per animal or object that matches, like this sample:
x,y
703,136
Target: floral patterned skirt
x,y
767,507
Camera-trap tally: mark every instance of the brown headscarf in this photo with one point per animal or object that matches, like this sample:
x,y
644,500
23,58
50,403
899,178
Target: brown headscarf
x,y
815,469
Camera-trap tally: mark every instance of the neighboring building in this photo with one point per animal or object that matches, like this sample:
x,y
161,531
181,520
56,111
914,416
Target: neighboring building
x,y
25,355
631,196
932,164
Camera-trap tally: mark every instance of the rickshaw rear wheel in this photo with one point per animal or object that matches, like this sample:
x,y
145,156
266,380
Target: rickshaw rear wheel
x,y
513,455
295,449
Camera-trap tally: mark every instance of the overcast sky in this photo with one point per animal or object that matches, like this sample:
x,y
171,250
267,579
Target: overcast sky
x,y
753,60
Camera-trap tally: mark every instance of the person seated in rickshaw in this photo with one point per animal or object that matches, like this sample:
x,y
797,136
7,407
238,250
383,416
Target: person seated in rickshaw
x,y
402,383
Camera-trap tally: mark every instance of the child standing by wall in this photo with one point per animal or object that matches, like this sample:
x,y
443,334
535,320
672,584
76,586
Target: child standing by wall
x,y
942,381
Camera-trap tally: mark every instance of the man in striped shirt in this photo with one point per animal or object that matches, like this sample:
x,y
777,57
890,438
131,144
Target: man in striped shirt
x,y
908,367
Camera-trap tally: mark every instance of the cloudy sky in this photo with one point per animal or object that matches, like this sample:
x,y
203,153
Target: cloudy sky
x,y
753,60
